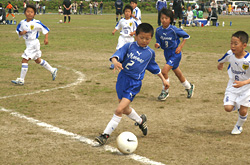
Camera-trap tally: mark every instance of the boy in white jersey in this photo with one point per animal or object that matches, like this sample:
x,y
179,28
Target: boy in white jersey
x,y
136,11
132,60
128,26
29,29
237,95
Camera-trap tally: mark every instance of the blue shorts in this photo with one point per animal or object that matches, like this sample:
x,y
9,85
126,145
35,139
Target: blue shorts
x,y
127,87
172,58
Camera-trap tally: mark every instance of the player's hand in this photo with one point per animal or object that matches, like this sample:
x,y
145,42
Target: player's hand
x,y
238,84
23,32
178,50
113,32
132,33
117,66
46,41
157,45
166,84
220,66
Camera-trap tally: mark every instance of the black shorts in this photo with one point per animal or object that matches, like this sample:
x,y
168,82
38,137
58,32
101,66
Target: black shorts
x,y
119,12
66,12
178,14
9,11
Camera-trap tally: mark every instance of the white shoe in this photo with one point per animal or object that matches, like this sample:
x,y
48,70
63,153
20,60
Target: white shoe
x,y
237,130
54,74
18,81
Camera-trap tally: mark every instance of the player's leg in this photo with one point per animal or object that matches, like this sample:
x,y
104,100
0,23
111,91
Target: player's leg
x,y
24,70
165,92
65,17
47,66
69,18
114,122
241,120
180,18
188,86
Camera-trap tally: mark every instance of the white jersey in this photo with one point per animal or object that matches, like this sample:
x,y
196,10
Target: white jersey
x,y
126,26
33,28
137,14
190,15
238,70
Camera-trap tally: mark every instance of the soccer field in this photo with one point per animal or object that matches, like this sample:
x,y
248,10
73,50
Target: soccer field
x,y
53,122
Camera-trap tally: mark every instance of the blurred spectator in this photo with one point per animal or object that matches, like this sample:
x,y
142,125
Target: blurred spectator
x,y
2,14
60,11
37,7
159,5
118,7
95,7
81,7
24,6
44,7
212,16
90,7
15,9
101,6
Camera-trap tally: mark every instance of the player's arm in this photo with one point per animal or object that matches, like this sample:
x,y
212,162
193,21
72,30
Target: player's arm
x,y
164,81
113,32
46,39
117,64
22,32
157,44
238,84
220,66
179,48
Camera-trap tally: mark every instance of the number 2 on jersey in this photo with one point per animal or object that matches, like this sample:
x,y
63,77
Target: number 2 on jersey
x,y
131,63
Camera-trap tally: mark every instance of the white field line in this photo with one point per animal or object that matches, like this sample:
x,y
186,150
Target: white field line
x,y
57,130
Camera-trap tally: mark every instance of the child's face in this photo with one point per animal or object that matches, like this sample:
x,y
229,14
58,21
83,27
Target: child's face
x,y
143,39
237,46
127,13
189,8
29,13
165,20
133,5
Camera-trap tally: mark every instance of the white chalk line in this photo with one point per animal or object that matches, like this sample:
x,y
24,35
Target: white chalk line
x,y
57,130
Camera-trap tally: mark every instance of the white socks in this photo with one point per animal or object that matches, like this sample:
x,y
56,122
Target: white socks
x,y
24,70
186,84
241,120
46,65
112,124
134,116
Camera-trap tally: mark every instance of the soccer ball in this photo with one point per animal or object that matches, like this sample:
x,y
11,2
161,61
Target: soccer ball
x,y
60,21
127,142
193,24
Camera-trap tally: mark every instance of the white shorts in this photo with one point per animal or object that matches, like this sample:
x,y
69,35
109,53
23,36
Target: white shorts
x,y
123,40
32,50
237,99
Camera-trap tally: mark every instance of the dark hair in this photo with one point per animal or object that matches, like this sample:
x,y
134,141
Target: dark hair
x,y
9,2
146,28
1,5
168,13
243,36
135,1
30,6
128,7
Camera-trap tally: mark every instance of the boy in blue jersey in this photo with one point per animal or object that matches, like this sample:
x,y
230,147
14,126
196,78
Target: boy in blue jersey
x,y
167,37
29,29
132,60
237,94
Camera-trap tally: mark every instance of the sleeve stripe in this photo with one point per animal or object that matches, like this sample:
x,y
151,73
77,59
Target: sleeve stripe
x,y
45,27
223,57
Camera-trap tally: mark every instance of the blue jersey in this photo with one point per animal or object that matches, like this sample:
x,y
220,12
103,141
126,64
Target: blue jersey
x,y
169,38
135,60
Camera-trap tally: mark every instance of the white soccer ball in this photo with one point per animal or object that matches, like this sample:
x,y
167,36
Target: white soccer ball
x,y
127,142
193,24
60,21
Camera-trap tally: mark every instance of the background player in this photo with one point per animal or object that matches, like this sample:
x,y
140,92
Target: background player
x,y
132,59
9,7
136,11
177,6
237,95
118,7
128,26
29,29
168,38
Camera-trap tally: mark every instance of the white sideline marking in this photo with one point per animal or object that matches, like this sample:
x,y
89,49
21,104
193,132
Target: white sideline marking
x,y
57,130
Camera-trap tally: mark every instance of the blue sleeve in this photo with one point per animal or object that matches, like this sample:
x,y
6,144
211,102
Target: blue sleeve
x,y
157,37
18,28
225,57
181,33
153,67
121,53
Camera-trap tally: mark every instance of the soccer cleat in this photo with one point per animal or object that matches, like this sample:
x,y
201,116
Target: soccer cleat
x,y
237,130
102,139
54,74
112,66
143,126
18,81
163,95
190,92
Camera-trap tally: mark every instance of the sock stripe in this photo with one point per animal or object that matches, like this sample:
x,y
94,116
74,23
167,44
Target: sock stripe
x,y
24,65
43,62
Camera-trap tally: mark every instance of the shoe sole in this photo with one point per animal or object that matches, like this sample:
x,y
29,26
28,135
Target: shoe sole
x,y
164,98
193,91
14,82
54,75
99,141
